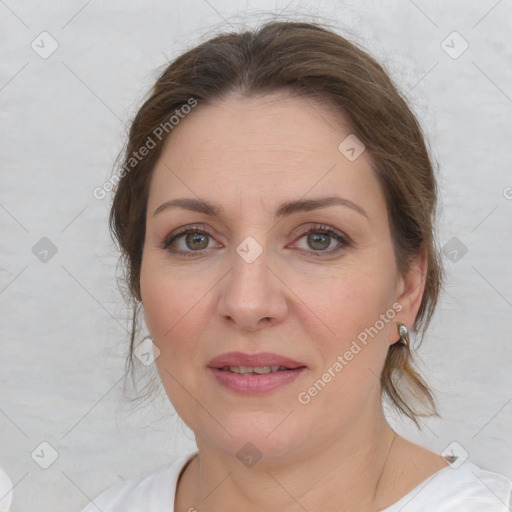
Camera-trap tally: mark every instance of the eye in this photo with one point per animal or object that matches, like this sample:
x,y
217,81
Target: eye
x,y
194,240
187,241
323,239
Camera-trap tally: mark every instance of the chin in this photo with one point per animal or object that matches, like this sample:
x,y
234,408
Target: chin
x,y
263,436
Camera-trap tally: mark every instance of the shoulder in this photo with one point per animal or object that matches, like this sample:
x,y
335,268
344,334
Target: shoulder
x,y
151,492
459,488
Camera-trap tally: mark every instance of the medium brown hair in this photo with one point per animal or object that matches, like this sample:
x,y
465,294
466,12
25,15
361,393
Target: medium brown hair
x,y
312,61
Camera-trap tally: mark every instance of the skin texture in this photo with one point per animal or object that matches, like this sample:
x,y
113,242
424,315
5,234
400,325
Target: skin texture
x,y
249,156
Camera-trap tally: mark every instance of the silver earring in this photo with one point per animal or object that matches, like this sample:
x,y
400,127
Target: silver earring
x,y
403,332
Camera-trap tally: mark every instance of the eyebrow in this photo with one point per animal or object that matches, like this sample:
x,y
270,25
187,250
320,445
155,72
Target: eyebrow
x,y
286,209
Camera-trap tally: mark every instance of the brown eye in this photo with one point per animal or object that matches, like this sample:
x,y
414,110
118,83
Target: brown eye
x,y
197,241
323,240
319,241
190,241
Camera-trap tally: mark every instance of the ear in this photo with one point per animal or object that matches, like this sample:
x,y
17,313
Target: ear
x,y
409,293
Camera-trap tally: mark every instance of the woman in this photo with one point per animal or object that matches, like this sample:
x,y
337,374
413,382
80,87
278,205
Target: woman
x,y
275,210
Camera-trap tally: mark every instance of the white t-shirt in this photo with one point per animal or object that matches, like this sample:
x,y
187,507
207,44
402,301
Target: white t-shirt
x,y
455,488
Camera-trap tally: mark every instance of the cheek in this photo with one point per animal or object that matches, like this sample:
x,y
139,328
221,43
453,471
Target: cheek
x,y
168,301
350,301
358,309
176,311
174,314
158,301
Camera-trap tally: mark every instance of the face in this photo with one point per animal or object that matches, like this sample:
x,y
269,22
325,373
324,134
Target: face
x,y
266,267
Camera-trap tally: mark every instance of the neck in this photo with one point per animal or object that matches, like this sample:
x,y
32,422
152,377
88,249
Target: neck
x,y
346,475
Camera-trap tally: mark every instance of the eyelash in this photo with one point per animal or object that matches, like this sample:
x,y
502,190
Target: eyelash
x,y
343,240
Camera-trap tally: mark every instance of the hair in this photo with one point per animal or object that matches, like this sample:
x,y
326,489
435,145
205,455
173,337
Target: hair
x,y
311,61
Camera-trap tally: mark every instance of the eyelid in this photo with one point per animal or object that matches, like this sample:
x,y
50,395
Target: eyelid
x,y
342,239
324,227
183,231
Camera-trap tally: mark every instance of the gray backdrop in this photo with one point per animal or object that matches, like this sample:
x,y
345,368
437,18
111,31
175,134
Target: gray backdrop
x,y
71,75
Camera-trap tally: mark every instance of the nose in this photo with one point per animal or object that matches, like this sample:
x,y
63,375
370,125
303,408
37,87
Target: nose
x,y
252,295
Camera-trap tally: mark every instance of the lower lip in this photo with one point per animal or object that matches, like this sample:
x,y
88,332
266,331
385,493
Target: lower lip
x,y
252,384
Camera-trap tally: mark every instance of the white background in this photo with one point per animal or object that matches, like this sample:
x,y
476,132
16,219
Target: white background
x,y
63,120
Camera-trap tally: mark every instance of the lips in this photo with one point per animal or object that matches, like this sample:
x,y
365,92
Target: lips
x,y
254,374
262,359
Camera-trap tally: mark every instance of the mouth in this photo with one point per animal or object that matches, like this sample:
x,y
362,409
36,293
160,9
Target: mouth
x,y
256,370
262,362
254,374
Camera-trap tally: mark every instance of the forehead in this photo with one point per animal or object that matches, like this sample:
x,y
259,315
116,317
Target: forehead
x,y
269,148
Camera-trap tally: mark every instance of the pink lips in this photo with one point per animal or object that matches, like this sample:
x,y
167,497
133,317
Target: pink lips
x,y
261,359
253,384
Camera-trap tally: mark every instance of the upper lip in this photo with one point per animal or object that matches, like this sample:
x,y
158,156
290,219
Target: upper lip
x,y
253,360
